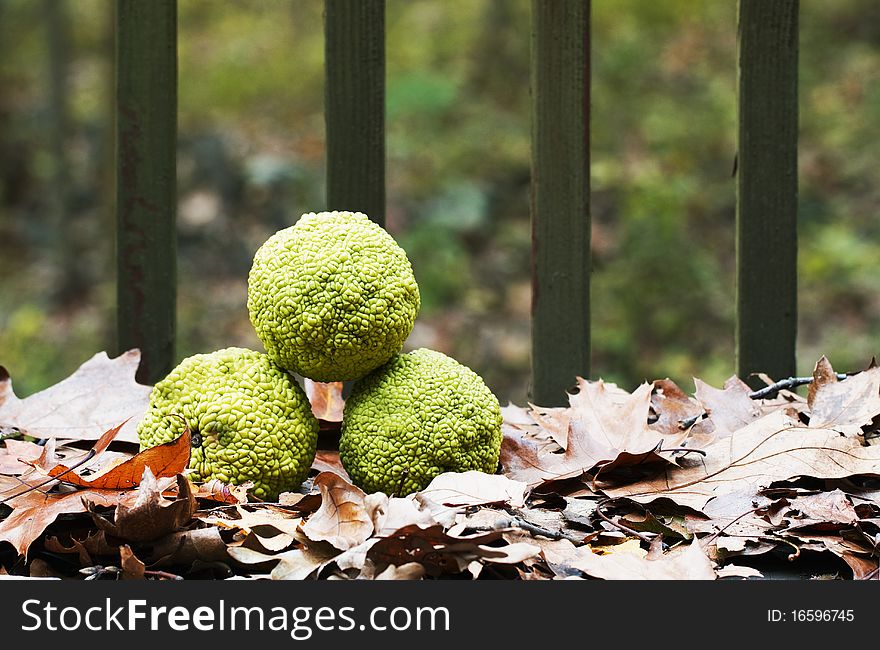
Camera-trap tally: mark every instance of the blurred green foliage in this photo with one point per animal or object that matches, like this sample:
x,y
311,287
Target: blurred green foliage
x,y
251,161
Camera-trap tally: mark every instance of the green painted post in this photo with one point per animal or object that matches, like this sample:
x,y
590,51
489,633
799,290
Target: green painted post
x,y
560,210
355,106
146,186
766,188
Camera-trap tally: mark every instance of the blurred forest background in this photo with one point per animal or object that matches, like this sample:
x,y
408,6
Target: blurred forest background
x,y
251,161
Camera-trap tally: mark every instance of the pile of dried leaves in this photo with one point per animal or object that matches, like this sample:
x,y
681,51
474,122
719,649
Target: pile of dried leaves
x,y
653,484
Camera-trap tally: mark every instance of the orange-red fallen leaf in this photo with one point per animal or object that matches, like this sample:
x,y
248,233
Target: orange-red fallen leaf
x,y
168,459
101,393
132,568
326,399
343,519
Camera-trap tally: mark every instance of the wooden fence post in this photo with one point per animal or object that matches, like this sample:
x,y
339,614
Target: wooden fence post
x,y
766,188
146,184
560,210
355,106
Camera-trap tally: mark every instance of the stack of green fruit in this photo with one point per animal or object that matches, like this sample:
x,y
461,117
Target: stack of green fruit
x,y
332,298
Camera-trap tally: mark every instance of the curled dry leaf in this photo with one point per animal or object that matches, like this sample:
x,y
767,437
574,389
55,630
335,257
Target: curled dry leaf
x,y
218,491
389,514
730,408
342,520
409,571
132,568
151,516
844,406
734,571
100,394
275,528
187,546
608,429
94,546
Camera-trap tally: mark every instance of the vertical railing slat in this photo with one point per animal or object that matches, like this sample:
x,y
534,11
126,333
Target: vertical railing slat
x,y
146,187
766,212
560,86
355,106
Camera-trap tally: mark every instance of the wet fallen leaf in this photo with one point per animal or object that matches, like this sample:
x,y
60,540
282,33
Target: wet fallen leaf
x,y
99,395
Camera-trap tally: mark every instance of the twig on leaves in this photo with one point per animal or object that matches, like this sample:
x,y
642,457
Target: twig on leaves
x,y
544,532
629,531
788,384
767,392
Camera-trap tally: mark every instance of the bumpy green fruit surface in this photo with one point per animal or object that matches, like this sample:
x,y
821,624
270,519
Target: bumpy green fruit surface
x,y
254,420
419,415
332,297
